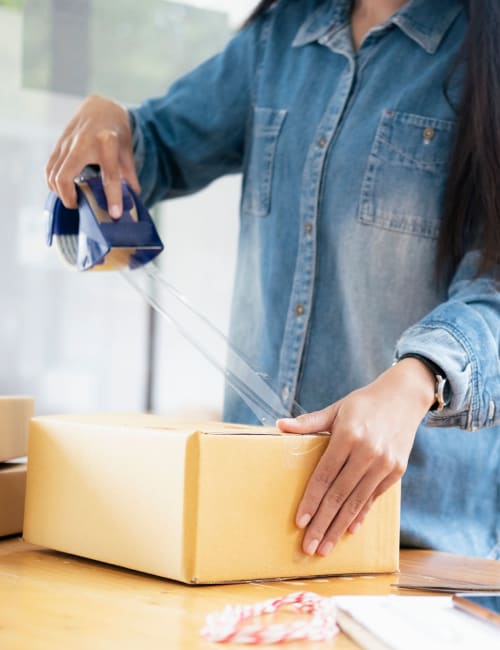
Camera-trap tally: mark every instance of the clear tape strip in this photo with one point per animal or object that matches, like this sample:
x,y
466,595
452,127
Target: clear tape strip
x,y
203,335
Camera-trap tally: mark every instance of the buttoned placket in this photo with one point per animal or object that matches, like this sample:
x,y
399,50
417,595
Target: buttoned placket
x,y
301,301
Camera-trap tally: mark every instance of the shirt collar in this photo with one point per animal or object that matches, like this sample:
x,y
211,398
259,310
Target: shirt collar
x,y
329,17
424,21
427,21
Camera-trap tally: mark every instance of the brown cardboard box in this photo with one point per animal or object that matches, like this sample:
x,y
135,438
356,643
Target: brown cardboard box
x,y
197,503
15,414
12,489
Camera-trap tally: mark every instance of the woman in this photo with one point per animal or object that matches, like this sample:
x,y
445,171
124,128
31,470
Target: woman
x,y
368,134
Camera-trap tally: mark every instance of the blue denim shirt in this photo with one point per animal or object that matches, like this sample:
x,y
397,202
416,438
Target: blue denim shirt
x,y
344,158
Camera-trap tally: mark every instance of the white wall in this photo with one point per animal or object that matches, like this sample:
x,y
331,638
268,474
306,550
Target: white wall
x,y
74,341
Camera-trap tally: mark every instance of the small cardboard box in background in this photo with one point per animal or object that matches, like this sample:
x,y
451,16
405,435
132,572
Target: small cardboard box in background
x,y
199,503
12,489
15,414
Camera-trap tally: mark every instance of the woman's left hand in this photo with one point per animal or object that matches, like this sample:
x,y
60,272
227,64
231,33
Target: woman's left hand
x,y
372,433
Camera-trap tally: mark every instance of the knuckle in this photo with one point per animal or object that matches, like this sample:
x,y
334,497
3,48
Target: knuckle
x,y
399,468
375,451
391,465
354,506
386,462
49,175
62,181
77,140
358,432
323,477
309,419
335,498
111,181
92,98
316,532
106,137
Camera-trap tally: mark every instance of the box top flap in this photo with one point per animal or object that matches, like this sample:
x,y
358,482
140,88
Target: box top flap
x,y
150,421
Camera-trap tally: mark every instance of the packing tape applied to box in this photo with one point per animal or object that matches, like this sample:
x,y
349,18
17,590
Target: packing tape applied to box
x,y
89,239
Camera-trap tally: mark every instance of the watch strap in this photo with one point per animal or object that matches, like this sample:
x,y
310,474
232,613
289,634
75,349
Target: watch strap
x,y
441,392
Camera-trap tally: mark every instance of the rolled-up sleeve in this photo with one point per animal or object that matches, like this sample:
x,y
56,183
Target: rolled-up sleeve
x,y
196,132
462,336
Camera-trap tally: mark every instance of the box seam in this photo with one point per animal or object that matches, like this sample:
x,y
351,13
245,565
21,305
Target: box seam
x,y
191,506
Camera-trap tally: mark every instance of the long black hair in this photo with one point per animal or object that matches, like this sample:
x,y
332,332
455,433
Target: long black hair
x,y
471,214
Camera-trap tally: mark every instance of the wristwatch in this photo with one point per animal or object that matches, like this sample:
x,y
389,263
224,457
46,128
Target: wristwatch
x,y
442,387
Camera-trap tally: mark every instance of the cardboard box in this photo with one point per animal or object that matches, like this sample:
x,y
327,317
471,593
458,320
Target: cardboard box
x,y
15,414
12,490
205,503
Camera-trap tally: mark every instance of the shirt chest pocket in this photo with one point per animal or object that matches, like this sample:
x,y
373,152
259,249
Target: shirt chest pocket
x,y
257,183
404,184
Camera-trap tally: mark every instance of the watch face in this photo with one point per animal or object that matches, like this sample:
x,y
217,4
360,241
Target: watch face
x,y
441,389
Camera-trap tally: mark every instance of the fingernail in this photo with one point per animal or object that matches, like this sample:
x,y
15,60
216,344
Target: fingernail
x,y
312,546
303,521
114,211
285,421
355,528
326,549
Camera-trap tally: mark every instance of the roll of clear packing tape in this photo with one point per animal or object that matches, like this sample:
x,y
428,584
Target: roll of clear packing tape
x,y
89,239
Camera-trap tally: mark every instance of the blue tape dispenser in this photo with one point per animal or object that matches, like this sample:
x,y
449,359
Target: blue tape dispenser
x,y
89,239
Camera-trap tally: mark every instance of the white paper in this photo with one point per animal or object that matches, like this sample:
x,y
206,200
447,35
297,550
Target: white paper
x,y
420,622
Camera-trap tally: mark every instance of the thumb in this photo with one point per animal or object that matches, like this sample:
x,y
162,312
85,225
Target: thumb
x,y
314,422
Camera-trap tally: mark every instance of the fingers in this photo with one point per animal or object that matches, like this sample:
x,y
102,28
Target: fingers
x,y
314,422
342,488
109,151
98,134
332,531
63,177
65,165
326,471
53,163
344,493
355,525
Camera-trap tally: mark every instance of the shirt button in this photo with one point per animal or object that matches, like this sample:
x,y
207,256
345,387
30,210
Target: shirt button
x,y
299,310
308,228
285,393
322,142
429,133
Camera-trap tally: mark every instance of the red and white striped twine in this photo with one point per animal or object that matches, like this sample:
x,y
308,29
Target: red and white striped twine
x,y
228,626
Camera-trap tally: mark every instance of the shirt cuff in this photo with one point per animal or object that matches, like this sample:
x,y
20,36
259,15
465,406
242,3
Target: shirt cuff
x,y
138,145
441,345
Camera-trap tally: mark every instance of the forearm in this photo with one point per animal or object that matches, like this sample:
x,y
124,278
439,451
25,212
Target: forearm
x,y
197,131
462,337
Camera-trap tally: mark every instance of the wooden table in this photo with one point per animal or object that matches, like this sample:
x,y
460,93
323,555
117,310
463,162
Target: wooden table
x,y
52,601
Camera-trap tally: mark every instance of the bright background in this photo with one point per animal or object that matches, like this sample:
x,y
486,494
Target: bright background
x,y
86,342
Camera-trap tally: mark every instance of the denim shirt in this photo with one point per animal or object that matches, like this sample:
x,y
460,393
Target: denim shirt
x,y
345,157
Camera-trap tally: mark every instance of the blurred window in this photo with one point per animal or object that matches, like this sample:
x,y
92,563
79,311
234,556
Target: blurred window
x,y
79,342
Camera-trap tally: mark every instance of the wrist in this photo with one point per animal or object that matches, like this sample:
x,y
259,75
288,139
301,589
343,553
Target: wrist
x,y
415,376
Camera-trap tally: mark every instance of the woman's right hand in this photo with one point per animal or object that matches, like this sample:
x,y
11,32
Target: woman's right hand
x,y
98,134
